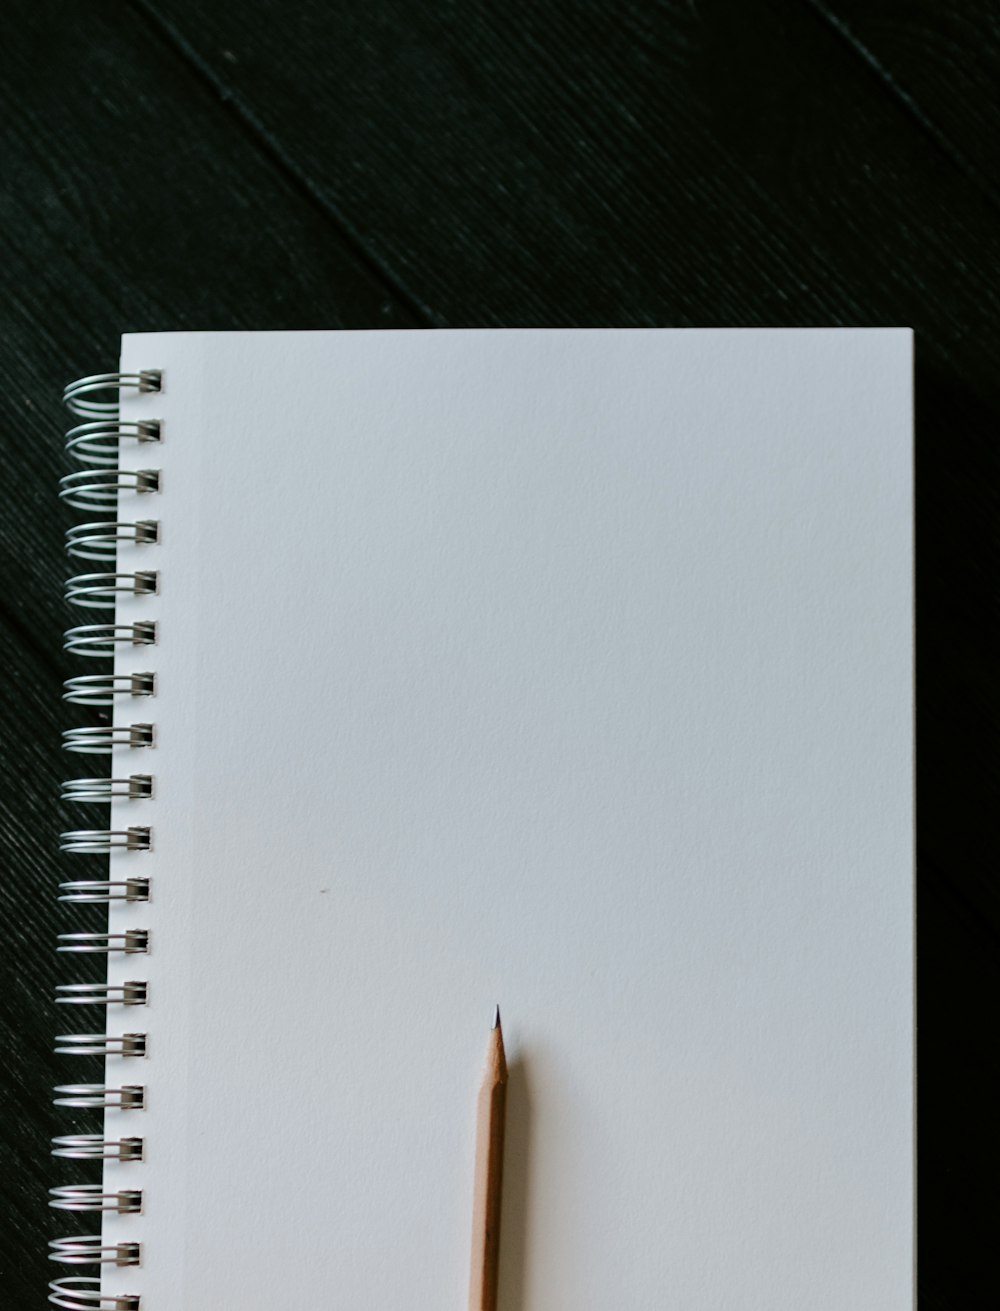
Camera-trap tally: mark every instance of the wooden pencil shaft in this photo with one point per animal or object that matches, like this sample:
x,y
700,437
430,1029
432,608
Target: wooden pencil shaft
x,y
484,1277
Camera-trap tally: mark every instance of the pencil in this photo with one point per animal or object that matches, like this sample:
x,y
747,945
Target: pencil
x,y
489,1176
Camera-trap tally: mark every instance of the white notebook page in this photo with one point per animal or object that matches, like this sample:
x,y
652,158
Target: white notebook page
x,y
565,669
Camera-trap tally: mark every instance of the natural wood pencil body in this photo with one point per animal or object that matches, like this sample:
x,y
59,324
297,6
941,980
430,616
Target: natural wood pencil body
x,y
489,1177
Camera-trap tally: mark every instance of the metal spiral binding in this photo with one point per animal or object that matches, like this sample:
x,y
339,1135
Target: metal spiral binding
x,y
99,541
101,689
92,1197
131,1097
90,1249
134,992
97,443
136,787
104,891
97,641
92,1147
98,489
101,841
101,741
100,591
130,943
147,380
100,1044
82,1293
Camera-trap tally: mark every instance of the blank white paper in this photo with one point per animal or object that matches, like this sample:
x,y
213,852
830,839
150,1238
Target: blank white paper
x,y
569,670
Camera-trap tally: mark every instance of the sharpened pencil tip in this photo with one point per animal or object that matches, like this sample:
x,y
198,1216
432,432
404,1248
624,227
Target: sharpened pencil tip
x,y
496,1017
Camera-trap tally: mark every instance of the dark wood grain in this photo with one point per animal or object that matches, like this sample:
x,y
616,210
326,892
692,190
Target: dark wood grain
x,y
940,60
178,164
673,162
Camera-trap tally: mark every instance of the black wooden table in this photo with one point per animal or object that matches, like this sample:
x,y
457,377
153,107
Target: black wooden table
x,y
273,164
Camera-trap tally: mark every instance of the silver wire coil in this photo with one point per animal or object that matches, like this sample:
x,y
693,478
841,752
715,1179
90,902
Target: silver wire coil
x,y
92,1197
98,444
101,689
98,641
100,1044
82,1293
90,1249
134,992
98,841
92,1147
99,489
77,396
100,591
99,541
132,942
101,741
103,891
99,791
87,1096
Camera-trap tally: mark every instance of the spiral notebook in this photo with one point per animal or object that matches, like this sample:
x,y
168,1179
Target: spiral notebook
x,y
565,669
